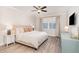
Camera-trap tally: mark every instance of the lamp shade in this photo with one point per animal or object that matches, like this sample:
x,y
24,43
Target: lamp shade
x,y
66,28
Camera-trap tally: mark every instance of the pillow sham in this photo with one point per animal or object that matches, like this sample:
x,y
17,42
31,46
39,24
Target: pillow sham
x,y
28,29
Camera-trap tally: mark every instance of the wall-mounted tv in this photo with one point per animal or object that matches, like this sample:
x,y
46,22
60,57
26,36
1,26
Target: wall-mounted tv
x,y
72,19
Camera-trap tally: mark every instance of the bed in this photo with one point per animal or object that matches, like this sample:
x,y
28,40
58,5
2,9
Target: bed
x,y
33,39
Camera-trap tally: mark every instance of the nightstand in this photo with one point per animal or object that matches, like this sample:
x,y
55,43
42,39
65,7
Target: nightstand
x,y
10,39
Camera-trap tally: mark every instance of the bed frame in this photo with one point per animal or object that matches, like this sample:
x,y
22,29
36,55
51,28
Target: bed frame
x,y
32,47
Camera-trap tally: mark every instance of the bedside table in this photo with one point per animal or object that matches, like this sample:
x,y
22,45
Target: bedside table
x,y
10,39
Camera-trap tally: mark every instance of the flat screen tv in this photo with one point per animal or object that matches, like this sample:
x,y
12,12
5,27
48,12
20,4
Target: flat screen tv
x,y
72,19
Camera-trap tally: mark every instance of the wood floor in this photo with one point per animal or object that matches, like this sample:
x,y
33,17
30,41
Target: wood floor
x,y
52,45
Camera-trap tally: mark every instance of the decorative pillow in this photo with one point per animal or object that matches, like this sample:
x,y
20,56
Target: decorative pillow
x,y
28,29
22,29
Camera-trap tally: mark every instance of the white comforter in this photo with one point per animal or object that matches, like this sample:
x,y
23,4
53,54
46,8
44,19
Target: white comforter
x,y
33,39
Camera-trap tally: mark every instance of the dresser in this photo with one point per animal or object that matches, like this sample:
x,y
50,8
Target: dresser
x,y
68,44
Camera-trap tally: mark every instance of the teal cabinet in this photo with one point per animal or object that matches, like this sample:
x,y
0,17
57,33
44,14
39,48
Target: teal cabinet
x,y
68,44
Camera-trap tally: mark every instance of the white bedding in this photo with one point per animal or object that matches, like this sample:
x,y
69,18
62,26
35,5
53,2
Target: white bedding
x,y
33,39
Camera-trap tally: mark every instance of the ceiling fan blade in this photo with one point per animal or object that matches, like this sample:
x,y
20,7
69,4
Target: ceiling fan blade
x,y
43,7
44,10
35,7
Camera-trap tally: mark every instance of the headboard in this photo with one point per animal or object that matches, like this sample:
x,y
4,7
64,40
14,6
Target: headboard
x,y
23,28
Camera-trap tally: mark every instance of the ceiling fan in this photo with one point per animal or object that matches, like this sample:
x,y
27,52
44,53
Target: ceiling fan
x,y
40,9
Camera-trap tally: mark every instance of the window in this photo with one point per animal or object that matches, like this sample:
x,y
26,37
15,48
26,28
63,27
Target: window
x,y
45,25
52,25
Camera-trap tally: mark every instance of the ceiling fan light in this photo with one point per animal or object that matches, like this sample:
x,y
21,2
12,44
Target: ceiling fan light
x,y
39,11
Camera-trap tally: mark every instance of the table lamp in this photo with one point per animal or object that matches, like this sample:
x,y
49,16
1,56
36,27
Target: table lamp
x,y
66,28
8,29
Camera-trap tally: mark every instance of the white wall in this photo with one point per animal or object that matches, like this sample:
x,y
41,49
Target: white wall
x,y
10,15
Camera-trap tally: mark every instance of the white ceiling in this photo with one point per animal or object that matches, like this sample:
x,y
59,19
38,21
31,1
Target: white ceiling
x,y
53,8
50,9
